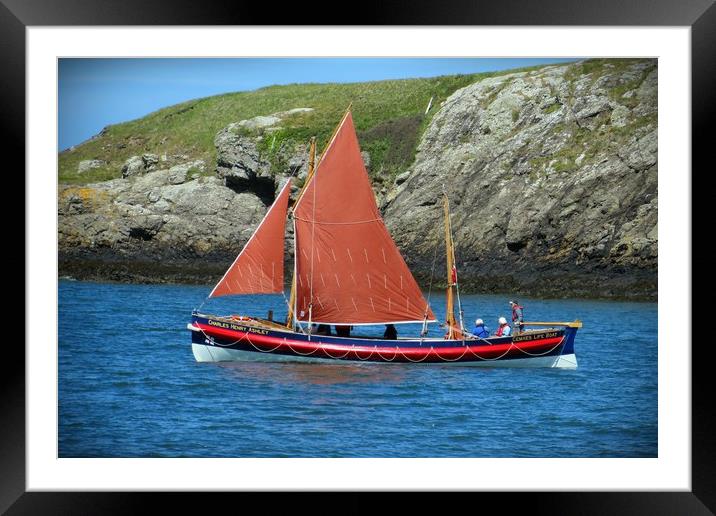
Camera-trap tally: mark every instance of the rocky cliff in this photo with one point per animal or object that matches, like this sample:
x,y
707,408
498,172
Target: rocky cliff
x,y
552,178
551,175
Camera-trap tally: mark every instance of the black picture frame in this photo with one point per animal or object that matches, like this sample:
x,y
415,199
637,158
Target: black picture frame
x,y
700,15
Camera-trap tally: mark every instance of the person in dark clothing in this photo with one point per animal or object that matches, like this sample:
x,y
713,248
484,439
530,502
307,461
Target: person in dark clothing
x,y
390,332
480,329
517,317
343,331
323,329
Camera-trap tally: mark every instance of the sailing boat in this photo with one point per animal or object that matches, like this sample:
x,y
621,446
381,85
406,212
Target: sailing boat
x,y
348,273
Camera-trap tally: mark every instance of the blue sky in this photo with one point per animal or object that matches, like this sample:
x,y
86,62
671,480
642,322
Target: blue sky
x,y
94,93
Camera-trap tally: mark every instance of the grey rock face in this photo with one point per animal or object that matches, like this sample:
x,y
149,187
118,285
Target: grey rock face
x,y
238,159
402,178
155,219
366,159
134,166
250,160
552,178
137,165
87,165
150,161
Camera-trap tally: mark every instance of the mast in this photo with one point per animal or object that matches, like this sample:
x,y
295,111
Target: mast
x,y
453,331
309,175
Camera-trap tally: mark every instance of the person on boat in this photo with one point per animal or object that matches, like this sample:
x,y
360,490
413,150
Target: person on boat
x,y
517,318
323,329
503,330
343,331
390,332
480,329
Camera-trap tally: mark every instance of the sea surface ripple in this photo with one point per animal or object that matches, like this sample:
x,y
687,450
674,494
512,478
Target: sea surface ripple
x,y
129,387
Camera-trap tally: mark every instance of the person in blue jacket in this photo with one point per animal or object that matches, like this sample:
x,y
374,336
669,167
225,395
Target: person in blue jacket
x,y
480,330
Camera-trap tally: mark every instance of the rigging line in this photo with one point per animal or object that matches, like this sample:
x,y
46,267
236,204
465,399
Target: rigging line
x,y
430,291
313,245
288,303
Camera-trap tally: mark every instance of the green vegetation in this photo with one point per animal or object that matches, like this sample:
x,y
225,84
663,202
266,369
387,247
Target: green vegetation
x,y
617,92
389,118
104,173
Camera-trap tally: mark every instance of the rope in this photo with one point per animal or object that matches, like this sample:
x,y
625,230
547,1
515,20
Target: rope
x,y
368,357
298,352
464,351
336,358
491,359
385,359
415,361
295,319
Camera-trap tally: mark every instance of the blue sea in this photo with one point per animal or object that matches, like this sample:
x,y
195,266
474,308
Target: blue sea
x,y
129,387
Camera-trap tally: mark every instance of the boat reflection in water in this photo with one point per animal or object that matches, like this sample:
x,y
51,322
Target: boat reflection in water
x,y
327,374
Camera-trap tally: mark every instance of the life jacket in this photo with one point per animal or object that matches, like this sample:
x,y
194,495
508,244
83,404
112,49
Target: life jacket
x,y
481,331
501,330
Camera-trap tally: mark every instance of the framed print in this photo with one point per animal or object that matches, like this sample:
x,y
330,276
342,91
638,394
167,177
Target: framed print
x,y
637,77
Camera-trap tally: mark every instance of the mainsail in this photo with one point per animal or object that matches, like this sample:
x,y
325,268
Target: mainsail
x,y
258,269
348,269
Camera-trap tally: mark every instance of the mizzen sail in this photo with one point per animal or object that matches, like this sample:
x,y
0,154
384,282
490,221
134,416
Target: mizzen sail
x,y
348,269
258,269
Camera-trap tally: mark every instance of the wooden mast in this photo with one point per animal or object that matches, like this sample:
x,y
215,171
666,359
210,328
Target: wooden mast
x,y
453,332
311,168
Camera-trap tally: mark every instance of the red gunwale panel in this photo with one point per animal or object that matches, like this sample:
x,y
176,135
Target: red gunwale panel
x,y
485,351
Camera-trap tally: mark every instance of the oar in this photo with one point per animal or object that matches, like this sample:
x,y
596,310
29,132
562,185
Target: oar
x,y
576,324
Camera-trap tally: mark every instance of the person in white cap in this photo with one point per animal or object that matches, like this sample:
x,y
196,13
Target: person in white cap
x,y
480,329
503,329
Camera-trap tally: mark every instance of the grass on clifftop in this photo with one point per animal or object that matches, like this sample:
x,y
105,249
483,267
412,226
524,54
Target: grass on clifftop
x,y
388,116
